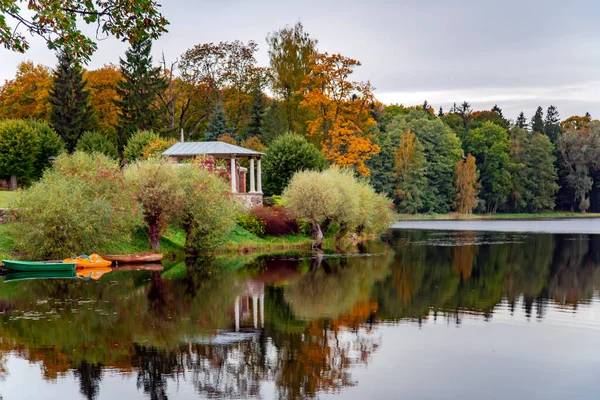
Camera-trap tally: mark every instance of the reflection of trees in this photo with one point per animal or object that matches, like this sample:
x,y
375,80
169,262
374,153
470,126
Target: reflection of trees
x,y
154,366
89,376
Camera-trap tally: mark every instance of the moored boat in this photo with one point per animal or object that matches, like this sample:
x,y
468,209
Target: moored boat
x,y
134,258
91,261
38,266
24,276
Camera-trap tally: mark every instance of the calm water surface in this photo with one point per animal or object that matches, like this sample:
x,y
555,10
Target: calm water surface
x,y
427,315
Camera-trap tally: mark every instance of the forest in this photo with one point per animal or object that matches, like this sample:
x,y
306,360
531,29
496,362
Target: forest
x,y
427,160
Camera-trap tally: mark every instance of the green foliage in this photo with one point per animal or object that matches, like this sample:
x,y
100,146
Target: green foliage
x,y
256,115
72,112
521,121
533,173
489,144
552,124
382,166
95,142
138,90
252,224
19,149
273,124
537,121
217,125
210,209
51,145
287,155
79,206
137,143
410,168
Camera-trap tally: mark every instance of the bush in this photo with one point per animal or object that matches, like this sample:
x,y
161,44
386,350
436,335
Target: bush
x,y
277,220
80,206
136,144
252,224
19,150
287,155
209,214
51,145
94,142
156,147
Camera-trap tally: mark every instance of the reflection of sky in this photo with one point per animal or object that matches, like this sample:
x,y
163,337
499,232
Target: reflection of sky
x,y
576,226
508,357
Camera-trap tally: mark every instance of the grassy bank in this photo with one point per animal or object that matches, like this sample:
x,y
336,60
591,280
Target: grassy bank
x,y
6,197
452,216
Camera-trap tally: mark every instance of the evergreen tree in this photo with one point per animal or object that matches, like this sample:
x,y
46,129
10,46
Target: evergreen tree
x,y
521,121
588,116
441,112
537,122
71,113
498,110
273,125
257,115
382,166
138,91
552,124
217,125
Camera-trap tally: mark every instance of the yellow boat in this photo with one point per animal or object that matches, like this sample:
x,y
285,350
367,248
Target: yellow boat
x,y
91,261
94,273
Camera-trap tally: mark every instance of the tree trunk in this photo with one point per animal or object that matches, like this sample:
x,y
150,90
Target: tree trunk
x,y
181,136
154,230
316,234
12,182
341,234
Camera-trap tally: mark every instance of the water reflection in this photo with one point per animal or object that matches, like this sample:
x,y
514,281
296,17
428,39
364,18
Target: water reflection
x,y
285,327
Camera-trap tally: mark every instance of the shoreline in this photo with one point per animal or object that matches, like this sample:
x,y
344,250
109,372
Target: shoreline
x,y
497,217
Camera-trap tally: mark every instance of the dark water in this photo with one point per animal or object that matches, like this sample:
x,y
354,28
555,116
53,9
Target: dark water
x,y
429,315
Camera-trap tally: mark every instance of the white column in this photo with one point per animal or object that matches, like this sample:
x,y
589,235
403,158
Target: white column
x,y
237,313
262,310
255,310
259,177
252,186
233,173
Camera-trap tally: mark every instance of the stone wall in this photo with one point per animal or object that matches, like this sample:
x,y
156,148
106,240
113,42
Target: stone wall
x,y
250,200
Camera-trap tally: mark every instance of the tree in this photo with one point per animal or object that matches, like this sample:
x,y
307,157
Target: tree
x,y
26,96
102,84
552,124
497,110
290,53
137,144
537,121
217,125
580,150
382,177
273,124
138,91
533,172
339,111
51,145
489,144
70,100
464,110
466,185
287,155
19,148
410,169
256,115
94,142
56,23
441,112
521,121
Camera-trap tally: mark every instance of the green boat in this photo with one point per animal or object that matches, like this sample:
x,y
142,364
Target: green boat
x,y
38,266
24,276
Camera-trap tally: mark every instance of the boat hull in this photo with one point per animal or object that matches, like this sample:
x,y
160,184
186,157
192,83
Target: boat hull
x,y
24,276
133,258
37,266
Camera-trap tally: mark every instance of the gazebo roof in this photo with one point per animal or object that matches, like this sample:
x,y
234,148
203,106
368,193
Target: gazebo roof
x,y
209,148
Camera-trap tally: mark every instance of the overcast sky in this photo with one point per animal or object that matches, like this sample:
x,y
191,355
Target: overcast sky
x,y
516,53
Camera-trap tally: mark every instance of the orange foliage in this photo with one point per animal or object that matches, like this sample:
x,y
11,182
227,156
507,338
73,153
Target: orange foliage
x,y
339,111
102,84
227,139
575,122
463,255
26,96
253,143
466,185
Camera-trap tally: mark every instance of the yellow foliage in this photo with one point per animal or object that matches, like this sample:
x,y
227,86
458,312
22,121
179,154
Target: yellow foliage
x,y
102,84
156,147
26,96
227,139
466,185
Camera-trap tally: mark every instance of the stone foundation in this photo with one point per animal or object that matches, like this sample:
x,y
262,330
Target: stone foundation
x,y
250,200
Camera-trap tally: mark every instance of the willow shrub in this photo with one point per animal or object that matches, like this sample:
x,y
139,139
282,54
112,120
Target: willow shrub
x,y
210,209
81,205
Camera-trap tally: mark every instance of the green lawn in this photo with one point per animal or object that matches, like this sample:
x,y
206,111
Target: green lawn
x,y
6,197
548,215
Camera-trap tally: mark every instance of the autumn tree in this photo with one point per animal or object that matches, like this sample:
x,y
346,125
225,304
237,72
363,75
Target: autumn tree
x,y
466,185
26,96
410,169
70,100
537,121
290,53
56,22
339,111
102,84
138,91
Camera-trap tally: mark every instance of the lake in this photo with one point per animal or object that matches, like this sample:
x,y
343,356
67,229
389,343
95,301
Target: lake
x,y
427,314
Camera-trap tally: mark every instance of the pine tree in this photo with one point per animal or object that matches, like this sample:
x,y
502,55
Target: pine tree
x,y
537,122
441,112
521,121
257,115
217,125
552,124
138,91
382,166
71,113
498,110
273,125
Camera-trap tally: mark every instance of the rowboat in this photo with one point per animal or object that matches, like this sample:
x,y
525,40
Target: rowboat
x,y
24,276
134,258
38,266
91,261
